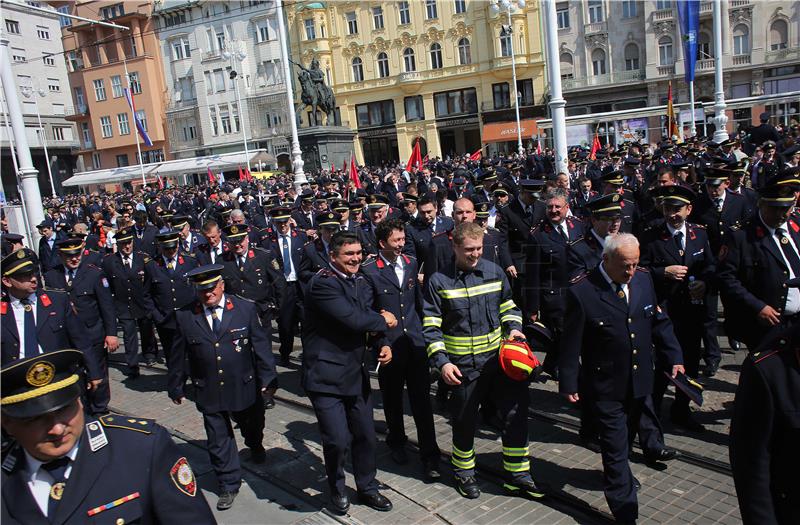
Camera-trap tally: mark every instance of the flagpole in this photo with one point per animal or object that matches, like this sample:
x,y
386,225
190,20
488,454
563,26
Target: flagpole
x,y
133,120
693,128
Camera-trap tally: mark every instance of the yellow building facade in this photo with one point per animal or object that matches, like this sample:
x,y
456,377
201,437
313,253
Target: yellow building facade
x,y
437,71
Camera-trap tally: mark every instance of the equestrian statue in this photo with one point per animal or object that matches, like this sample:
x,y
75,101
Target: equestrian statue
x,y
315,93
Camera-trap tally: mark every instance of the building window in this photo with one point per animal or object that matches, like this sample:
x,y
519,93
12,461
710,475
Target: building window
x,y
48,59
105,127
310,32
358,70
383,65
741,40
431,12
43,33
112,11
405,13
212,113
598,62
80,101
665,51
235,113
409,62
461,101
181,48
631,57
152,156
140,114
220,36
18,55
501,95
703,46
352,23
219,80
562,15
461,6
505,43
377,17
189,132
136,86
525,92
87,136
464,52
12,27
567,66
116,86
175,19
629,8
379,113
262,31
53,85
58,133
778,35
63,20
663,4
122,160
124,126
415,110
99,89
595,11
225,120
96,160
436,56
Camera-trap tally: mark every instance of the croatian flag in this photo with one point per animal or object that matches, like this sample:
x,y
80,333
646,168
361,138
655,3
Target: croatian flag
x,y
139,126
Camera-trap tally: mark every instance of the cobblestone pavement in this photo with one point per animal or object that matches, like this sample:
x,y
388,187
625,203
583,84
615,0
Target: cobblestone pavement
x,y
290,487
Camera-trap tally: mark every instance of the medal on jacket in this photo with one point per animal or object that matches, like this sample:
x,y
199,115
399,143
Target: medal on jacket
x,y
57,490
28,307
784,240
621,294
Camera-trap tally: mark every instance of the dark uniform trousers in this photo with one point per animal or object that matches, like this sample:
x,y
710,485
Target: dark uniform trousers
x,y
291,311
221,443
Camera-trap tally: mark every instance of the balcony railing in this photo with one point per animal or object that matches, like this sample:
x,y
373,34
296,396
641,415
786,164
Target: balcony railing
x,y
620,77
706,7
181,104
214,54
706,64
782,55
76,111
596,27
741,60
663,14
411,76
739,3
666,70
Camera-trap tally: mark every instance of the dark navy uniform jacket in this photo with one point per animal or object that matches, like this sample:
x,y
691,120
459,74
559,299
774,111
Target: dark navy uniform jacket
x,y
129,286
259,280
169,290
228,370
48,257
138,458
57,328
614,339
314,258
303,221
297,240
583,254
765,431
338,316
516,225
90,294
197,240
752,274
735,212
403,301
145,240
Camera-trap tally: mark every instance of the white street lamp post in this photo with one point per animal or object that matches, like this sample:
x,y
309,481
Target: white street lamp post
x,y
508,6
720,118
236,50
297,159
557,102
29,92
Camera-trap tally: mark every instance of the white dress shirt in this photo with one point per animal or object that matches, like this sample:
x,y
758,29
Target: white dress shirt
x,y
220,309
19,318
397,266
40,481
682,229
292,277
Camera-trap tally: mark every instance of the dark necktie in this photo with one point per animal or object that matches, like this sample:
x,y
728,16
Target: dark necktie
x,y
563,231
287,258
620,292
57,469
70,277
241,261
215,320
30,345
127,262
678,237
788,252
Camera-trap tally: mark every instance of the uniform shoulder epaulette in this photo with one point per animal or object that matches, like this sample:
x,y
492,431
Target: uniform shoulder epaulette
x,y
642,269
108,255
439,234
734,227
243,298
492,229
48,289
758,357
308,242
145,426
577,241
698,226
90,265
326,272
189,254
371,259
578,278
260,249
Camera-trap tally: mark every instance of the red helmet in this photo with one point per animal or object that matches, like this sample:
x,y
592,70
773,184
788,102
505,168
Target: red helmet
x,y
517,360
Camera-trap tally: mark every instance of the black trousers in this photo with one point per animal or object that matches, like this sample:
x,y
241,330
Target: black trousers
x,y
291,312
130,338
409,367
222,443
166,334
711,351
617,422
98,398
347,422
148,338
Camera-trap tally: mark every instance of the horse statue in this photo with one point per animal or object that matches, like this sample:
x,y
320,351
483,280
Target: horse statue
x,y
315,93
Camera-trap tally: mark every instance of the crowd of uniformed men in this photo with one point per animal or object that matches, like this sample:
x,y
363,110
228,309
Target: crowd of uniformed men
x,y
615,270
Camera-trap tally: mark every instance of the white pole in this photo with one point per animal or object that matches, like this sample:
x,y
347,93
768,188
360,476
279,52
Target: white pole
x,y
297,159
133,121
720,118
244,127
27,93
693,128
28,174
520,149
557,101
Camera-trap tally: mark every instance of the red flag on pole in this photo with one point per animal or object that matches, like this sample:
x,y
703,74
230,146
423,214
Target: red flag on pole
x,y
160,182
211,178
344,164
425,159
672,124
595,146
354,172
247,175
416,157
241,174
538,144
477,155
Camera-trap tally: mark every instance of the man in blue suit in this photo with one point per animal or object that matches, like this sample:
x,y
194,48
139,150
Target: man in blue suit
x,y
392,277
612,324
230,363
334,375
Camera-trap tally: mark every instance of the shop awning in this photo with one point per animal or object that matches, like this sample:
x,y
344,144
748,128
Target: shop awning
x,y
110,176
507,131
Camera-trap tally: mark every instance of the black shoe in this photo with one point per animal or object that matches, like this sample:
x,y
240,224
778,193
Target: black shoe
x,y
636,484
431,469
687,422
710,370
376,501
269,400
225,500
663,454
340,504
149,361
525,488
284,361
733,344
132,374
399,455
468,487
258,456
591,443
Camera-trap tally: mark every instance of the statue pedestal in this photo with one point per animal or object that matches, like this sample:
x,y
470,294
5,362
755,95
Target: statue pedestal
x,y
324,147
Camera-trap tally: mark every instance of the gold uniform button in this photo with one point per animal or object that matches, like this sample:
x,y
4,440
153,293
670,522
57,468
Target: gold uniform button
x,y
120,521
630,320
633,336
635,367
220,370
221,383
634,351
219,358
216,345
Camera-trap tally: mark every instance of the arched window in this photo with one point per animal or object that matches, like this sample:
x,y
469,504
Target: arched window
x,y
631,57
598,62
704,46
409,61
665,57
358,70
464,52
436,56
741,40
567,65
778,35
383,65
505,43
